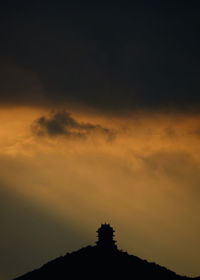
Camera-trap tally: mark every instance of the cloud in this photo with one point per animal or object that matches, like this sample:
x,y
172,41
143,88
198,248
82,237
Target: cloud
x,y
181,167
145,182
118,64
19,86
61,123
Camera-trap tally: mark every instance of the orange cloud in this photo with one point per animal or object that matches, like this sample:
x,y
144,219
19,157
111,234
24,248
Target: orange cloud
x,y
145,182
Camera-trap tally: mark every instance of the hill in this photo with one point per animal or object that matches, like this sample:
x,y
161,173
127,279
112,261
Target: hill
x,y
103,261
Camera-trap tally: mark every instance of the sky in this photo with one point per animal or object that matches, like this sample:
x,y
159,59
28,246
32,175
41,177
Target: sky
x,y
100,122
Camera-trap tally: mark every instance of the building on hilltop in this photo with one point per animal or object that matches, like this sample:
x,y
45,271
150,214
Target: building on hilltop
x,y
105,237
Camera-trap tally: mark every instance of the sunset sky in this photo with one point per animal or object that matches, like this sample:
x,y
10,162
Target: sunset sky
x,y
99,122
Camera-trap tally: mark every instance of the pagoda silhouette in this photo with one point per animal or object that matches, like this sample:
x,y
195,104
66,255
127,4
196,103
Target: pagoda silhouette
x,y
101,261
105,237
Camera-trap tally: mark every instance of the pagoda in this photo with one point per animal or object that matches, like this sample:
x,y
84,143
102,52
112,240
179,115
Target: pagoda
x,y
105,237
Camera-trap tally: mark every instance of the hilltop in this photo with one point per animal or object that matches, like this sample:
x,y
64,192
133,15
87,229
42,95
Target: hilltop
x,y
102,261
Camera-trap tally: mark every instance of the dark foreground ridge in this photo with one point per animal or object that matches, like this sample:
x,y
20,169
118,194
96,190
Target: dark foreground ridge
x,y
103,261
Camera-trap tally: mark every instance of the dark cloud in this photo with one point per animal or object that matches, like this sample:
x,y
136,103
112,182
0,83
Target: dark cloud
x,y
63,124
19,86
112,59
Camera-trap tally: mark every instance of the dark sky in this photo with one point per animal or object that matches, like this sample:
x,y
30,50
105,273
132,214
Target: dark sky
x,y
143,56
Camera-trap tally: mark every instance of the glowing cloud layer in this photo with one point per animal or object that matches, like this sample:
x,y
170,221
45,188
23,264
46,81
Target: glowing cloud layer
x,y
145,181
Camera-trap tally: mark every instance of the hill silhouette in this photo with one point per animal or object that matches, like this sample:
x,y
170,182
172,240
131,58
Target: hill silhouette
x,y
102,261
